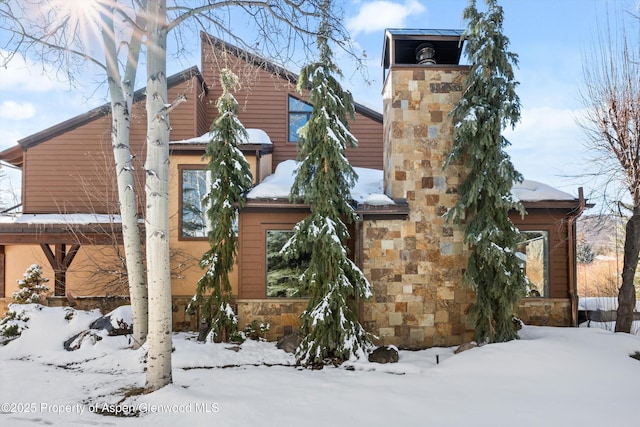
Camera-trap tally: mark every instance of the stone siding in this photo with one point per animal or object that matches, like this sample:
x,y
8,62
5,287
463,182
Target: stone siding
x,y
105,304
545,311
416,266
283,315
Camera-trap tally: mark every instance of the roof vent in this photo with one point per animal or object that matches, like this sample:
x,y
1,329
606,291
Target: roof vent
x,y
425,54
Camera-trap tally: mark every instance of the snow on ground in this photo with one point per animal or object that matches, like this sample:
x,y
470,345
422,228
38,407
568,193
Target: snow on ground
x,y
550,377
601,303
605,304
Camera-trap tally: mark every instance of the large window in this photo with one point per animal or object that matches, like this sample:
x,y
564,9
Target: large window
x,y
193,218
533,252
299,113
283,276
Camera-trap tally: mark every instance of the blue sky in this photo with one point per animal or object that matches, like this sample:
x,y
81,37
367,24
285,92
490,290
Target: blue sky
x,y
550,37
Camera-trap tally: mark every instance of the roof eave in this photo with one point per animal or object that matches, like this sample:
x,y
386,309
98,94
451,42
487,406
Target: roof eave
x,y
101,111
13,156
555,204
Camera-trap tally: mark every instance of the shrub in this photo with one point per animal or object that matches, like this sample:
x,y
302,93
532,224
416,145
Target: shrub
x,y
256,331
30,288
12,325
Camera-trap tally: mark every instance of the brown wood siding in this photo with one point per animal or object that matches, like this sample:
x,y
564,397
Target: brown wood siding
x,y
263,100
73,172
252,257
183,118
202,122
368,154
553,221
252,248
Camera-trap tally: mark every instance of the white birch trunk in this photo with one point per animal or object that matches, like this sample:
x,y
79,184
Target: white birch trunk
x,y
121,103
157,191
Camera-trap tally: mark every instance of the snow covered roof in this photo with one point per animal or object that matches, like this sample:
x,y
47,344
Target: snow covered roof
x,y
533,191
254,136
93,229
70,219
368,188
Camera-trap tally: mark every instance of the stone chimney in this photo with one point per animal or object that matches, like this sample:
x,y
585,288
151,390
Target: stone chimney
x,y
416,266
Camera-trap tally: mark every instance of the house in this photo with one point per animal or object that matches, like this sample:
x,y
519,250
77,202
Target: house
x,y
413,260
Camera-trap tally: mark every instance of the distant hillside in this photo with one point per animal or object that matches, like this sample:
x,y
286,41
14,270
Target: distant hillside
x,y
600,231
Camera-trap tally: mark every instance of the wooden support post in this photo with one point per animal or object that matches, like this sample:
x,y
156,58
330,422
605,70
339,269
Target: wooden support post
x,y
60,260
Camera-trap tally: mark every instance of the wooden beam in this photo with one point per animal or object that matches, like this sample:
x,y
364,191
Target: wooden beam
x,y
70,256
60,261
50,256
22,238
60,270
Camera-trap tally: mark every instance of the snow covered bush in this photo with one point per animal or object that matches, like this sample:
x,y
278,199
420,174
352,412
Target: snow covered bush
x,y
256,331
30,288
12,325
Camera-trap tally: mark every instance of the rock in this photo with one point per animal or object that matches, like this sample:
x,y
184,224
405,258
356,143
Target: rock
x,y
384,354
103,323
289,343
465,346
106,322
517,323
75,342
203,332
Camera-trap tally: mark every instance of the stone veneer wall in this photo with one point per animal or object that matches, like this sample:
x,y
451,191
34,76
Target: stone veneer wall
x,y
545,311
283,315
416,266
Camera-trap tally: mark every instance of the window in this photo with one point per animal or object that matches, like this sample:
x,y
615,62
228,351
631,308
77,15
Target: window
x,y
533,252
193,218
283,275
299,114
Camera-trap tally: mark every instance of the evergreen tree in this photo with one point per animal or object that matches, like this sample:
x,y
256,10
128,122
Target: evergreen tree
x,y
330,327
584,252
230,180
487,106
30,288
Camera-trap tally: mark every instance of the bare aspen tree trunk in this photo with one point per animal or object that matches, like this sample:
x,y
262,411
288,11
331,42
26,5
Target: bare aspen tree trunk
x,y
611,97
157,191
121,104
627,292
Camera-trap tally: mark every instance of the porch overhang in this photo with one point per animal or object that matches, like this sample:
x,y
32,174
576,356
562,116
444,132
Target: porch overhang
x,y
60,237
13,156
60,229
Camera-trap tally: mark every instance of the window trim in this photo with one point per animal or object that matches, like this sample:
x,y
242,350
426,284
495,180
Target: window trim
x,y
547,259
181,169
